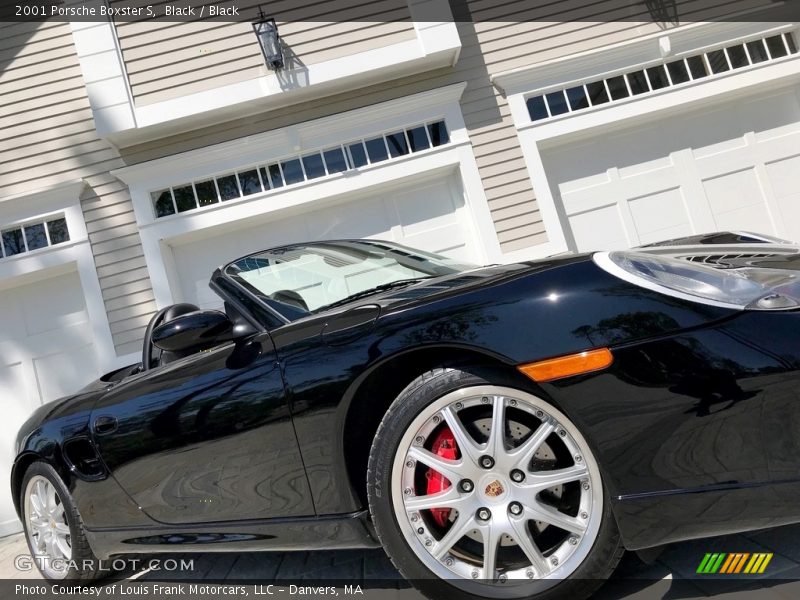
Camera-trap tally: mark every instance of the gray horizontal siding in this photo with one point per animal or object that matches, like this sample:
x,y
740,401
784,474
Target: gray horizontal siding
x,y
168,60
47,136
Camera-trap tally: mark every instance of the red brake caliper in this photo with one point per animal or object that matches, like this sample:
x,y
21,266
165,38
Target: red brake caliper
x,y
444,445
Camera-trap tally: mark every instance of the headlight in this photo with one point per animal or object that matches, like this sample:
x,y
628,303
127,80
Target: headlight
x,y
739,288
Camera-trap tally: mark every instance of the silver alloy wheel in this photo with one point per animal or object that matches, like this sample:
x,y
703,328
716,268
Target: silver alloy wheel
x,y
560,489
48,530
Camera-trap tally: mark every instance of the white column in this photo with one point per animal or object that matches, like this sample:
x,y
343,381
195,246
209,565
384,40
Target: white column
x,y
104,74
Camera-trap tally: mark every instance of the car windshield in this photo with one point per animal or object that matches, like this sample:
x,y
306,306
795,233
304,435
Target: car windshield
x,y
306,278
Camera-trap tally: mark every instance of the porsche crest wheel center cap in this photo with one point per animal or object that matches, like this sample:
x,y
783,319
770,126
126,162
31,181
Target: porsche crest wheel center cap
x,y
494,489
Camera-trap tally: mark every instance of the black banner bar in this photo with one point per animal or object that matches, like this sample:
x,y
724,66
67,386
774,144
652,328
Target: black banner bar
x,y
666,12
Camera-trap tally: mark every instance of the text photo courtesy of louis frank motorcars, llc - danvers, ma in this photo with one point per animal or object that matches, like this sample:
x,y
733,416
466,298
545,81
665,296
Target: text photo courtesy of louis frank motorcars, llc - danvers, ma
x,y
400,299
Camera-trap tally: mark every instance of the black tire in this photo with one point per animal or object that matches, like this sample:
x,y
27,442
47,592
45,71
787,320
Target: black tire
x,y
83,564
598,565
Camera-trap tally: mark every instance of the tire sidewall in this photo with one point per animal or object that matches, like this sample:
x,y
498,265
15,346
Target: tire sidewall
x,y
598,564
72,516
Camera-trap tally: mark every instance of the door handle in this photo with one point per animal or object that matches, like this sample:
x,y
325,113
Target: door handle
x,y
105,424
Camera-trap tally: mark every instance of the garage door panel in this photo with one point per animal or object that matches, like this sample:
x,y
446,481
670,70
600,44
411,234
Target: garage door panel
x,y
648,167
751,218
52,304
665,233
729,162
731,167
12,322
447,240
774,150
585,201
45,305
662,179
723,148
715,130
427,208
660,216
429,218
360,219
775,141
20,395
599,228
12,383
647,144
65,339
784,177
733,190
46,316
62,373
769,116
737,201
583,184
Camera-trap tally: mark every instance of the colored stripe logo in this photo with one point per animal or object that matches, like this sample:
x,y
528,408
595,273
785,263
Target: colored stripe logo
x,y
732,563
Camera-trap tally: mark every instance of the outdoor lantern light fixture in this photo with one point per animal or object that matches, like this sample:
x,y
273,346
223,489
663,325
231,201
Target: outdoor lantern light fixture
x,y
269,40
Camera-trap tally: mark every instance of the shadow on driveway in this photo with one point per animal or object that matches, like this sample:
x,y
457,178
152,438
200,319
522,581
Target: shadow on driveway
x,y
671,576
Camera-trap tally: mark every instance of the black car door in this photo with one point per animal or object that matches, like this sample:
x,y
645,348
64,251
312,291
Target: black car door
x,y
206,438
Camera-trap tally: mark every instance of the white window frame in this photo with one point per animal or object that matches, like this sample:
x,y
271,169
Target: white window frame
x,y
455,156
74,255
537,136
27,223
343,146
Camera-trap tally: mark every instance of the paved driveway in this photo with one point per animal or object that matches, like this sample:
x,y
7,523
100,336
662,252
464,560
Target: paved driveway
x,y
671,576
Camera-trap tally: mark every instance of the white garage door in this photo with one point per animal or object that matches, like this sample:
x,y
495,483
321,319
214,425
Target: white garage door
x,y
45,341
734,167
45,352
429,215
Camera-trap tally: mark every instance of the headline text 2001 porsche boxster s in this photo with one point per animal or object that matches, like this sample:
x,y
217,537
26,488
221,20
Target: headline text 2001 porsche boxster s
x,y
504,431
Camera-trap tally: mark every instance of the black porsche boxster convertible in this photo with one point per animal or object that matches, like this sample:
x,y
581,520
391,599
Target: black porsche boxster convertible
x,y
505,431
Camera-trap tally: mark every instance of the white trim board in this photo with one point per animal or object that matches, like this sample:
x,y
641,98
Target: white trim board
x,y
628,55
299,138
423,107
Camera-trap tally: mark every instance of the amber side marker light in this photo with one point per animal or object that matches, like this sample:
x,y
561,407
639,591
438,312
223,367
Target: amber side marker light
x,y
567,366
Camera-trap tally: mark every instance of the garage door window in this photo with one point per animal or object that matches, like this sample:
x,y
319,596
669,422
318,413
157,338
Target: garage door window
x,y
298,169
669,74
33,236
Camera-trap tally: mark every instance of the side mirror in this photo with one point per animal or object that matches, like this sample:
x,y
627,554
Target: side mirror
x,y
196,330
